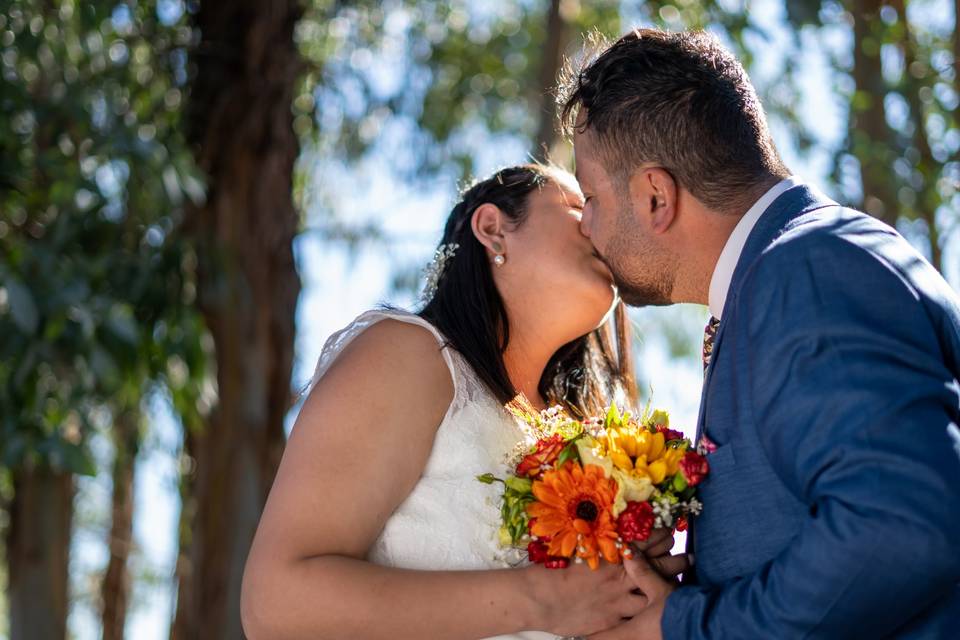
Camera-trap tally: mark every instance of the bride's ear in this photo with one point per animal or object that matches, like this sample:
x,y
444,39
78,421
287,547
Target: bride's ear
x,y
487,225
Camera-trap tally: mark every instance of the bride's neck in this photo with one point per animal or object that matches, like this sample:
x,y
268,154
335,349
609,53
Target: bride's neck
x,y
525,359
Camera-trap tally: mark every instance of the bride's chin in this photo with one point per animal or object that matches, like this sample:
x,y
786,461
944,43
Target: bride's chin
x,y
609,304
614,301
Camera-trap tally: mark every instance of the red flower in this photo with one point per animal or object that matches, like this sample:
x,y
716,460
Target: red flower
x,y
537,551
636,521
546,453
538,554
668,433
694,468
681,523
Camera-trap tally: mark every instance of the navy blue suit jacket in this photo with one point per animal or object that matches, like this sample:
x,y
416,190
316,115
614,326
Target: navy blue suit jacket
x,y
832,508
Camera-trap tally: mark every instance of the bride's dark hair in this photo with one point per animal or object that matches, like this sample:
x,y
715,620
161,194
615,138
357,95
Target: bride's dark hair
x,y
584,375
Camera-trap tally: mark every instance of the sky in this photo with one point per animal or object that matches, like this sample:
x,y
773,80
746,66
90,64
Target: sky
x,y
338,286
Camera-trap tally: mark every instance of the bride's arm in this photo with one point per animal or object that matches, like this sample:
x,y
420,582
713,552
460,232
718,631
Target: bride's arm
x,y
356,451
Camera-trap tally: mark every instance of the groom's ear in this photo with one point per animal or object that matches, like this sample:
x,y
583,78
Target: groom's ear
x,y
653,192
487,226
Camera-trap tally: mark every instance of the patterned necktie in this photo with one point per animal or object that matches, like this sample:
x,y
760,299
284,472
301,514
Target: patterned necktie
x,y
705,446
709,335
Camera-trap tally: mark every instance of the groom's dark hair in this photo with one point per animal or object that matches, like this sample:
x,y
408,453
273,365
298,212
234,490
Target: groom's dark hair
x,y
676,99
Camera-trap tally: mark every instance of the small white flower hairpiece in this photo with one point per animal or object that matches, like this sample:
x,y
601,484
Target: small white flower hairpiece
x,y
435,269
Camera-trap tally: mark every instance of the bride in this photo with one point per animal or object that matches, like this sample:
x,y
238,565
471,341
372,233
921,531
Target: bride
x,y
376,526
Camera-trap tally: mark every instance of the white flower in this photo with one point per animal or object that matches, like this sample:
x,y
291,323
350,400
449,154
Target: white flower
x,y
694,506
435,269
663,509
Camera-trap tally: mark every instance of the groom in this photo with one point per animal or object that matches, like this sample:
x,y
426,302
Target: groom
x,y
830,402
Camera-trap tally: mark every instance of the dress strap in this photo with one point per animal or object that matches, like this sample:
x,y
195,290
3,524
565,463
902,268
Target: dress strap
x,y
337,342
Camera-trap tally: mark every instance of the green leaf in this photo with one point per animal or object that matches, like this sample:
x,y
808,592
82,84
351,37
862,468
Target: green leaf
x,y
13,450
570,452
122,324
77,459
514,512
22,306
613,416
679,482
519,485
645,414
104,366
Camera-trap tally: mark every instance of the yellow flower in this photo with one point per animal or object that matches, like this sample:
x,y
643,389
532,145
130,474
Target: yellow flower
x,y
641,453
659,417
592,451
631,487
672,458
656,470
637,458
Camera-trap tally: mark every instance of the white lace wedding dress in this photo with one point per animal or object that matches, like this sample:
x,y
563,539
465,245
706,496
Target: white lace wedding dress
x,y
450,519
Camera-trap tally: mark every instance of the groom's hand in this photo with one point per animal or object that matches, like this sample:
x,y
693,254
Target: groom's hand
x,y
646,624
659,543
657,548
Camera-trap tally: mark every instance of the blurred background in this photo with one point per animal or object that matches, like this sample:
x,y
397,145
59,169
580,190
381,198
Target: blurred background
x,y
194,195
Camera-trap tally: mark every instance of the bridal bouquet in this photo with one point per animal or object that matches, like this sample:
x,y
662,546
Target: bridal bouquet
x,y
586,489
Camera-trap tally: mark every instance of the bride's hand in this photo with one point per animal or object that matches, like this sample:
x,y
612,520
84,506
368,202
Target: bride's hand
x,y
578,601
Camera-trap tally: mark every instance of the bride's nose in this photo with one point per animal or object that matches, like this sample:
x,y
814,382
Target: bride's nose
x,y
585,220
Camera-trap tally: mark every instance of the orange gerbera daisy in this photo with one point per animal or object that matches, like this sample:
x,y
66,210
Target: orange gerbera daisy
x,y
574,510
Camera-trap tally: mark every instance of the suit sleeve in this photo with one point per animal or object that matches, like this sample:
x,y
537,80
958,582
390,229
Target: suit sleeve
x,y
851,403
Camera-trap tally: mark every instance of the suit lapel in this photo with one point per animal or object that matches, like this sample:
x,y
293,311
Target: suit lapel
x,y
777,218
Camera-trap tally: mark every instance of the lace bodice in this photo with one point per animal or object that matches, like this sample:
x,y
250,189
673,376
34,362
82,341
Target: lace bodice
x,y
450,520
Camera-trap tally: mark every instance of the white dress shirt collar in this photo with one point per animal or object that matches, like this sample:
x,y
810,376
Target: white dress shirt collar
x,y
727,263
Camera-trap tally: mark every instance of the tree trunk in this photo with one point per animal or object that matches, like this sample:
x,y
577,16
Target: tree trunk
x,y
241,123
180,628
928,200
115,589
870,135
38,545
558,36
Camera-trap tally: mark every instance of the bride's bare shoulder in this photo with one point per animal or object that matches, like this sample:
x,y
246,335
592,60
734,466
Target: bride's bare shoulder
x,y
393,360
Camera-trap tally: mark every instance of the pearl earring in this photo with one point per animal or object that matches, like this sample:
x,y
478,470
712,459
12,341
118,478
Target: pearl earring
x,y
498,259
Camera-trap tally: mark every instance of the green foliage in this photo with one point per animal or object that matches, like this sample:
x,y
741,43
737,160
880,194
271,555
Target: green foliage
x,y
905,165
569,453
513,510
432,76
488,478
445,78
96,287
441,81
